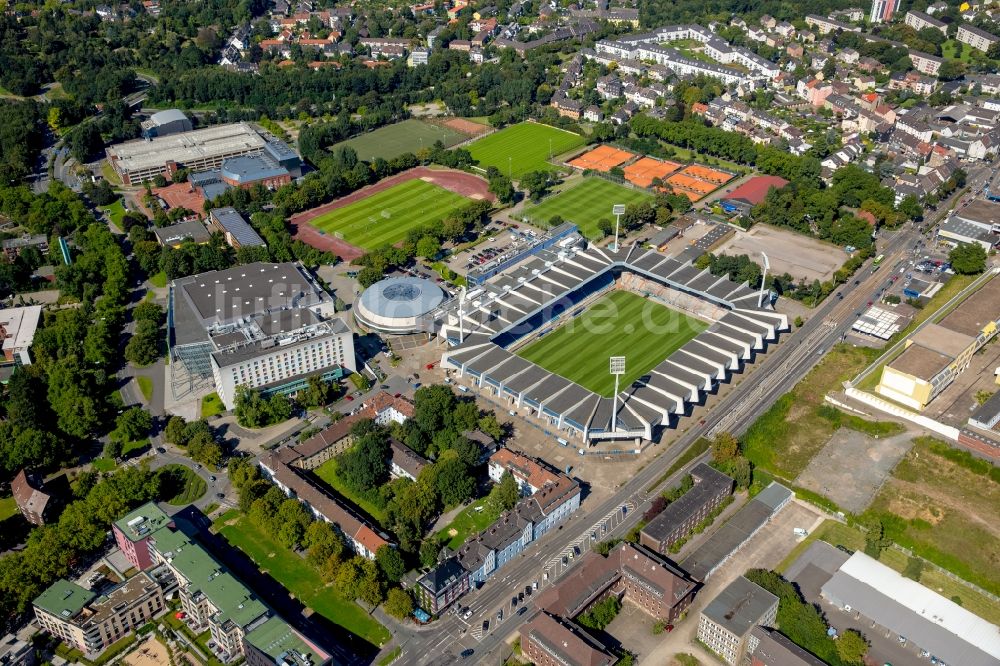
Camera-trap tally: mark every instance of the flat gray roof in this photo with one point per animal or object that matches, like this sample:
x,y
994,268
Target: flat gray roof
x,y
740,607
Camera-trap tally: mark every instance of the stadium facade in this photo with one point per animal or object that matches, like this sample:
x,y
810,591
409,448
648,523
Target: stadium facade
x,y
484,329
267,326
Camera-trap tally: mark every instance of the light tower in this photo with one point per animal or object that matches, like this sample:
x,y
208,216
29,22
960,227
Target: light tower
x,y
617,368
461,315
763,279
617,210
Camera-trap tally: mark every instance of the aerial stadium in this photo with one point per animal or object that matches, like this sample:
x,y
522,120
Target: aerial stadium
x,y
397,305
691,331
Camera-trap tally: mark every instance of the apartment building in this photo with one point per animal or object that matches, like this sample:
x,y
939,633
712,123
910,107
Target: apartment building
x,y
883,10
726,622
134,531
531,475
976,38
926,63
90,622
919,21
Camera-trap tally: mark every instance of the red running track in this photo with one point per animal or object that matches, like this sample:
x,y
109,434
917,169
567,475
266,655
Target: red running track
x,y
459,182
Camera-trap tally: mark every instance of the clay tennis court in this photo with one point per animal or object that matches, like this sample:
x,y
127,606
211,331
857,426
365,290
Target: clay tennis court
x,y
706,174
602,158
642,172
459,182
686,182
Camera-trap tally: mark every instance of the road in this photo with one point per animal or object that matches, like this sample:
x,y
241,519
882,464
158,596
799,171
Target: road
x,y
771,376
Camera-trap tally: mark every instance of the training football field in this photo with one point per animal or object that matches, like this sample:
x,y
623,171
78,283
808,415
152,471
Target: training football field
x,y
407,136
523,147
585,204
619,324
384,218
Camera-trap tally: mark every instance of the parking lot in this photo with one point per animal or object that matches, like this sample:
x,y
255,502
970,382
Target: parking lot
x,y
506,239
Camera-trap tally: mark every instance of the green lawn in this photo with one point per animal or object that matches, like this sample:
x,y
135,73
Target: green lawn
x,y
407,136
385,218
328,472
158,280
193,487
116,212
8,507
137,445
145,386
945,512
293,573
952,48
585,204
621,323
788,435
523,147
468,522
211,405
103,464
110,174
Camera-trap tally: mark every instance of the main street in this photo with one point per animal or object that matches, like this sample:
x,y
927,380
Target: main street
x,y
773,375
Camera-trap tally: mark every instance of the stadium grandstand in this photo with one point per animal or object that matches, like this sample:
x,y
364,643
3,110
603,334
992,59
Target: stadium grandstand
x,y
484,328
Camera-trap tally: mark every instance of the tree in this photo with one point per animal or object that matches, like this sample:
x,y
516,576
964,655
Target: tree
x,y
504,495
428,247
113,449
453,481
725,447
398,603
875,541
429,550
914,568
852,647
175,431
132,425
982,396
951,69
911,208
537,183
968,259
390,562
829,69
605,226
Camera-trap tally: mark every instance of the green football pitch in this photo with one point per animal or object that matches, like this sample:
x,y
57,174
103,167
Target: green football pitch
x,y
585,204
407,136
619,324
385,217
523,147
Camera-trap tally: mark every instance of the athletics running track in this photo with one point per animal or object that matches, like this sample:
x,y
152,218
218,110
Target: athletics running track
x,y
459,182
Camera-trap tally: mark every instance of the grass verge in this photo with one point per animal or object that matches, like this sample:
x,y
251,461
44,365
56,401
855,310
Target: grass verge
x,y
190,489
145,387
158,280
211,405
293,573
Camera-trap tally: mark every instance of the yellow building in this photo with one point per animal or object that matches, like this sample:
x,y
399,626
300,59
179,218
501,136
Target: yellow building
x,y
937,353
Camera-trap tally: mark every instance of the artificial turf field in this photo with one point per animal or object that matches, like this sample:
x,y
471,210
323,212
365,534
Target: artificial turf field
x,y
527,146
619,324
407,136
385,217
585,204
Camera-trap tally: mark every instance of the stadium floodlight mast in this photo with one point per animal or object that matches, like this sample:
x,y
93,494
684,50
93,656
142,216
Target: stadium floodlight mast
x,y
617,368
617,210
763,278
461,315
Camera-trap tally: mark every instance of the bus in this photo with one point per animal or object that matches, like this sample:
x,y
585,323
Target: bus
x,y
877,262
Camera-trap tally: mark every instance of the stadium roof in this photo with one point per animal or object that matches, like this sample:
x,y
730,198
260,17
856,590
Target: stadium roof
x,y
942,627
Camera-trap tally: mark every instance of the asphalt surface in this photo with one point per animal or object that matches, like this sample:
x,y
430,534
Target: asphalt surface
x,y
771,375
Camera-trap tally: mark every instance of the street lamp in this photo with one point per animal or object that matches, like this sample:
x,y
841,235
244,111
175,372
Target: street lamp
x,y
763,278
617,368
617,210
